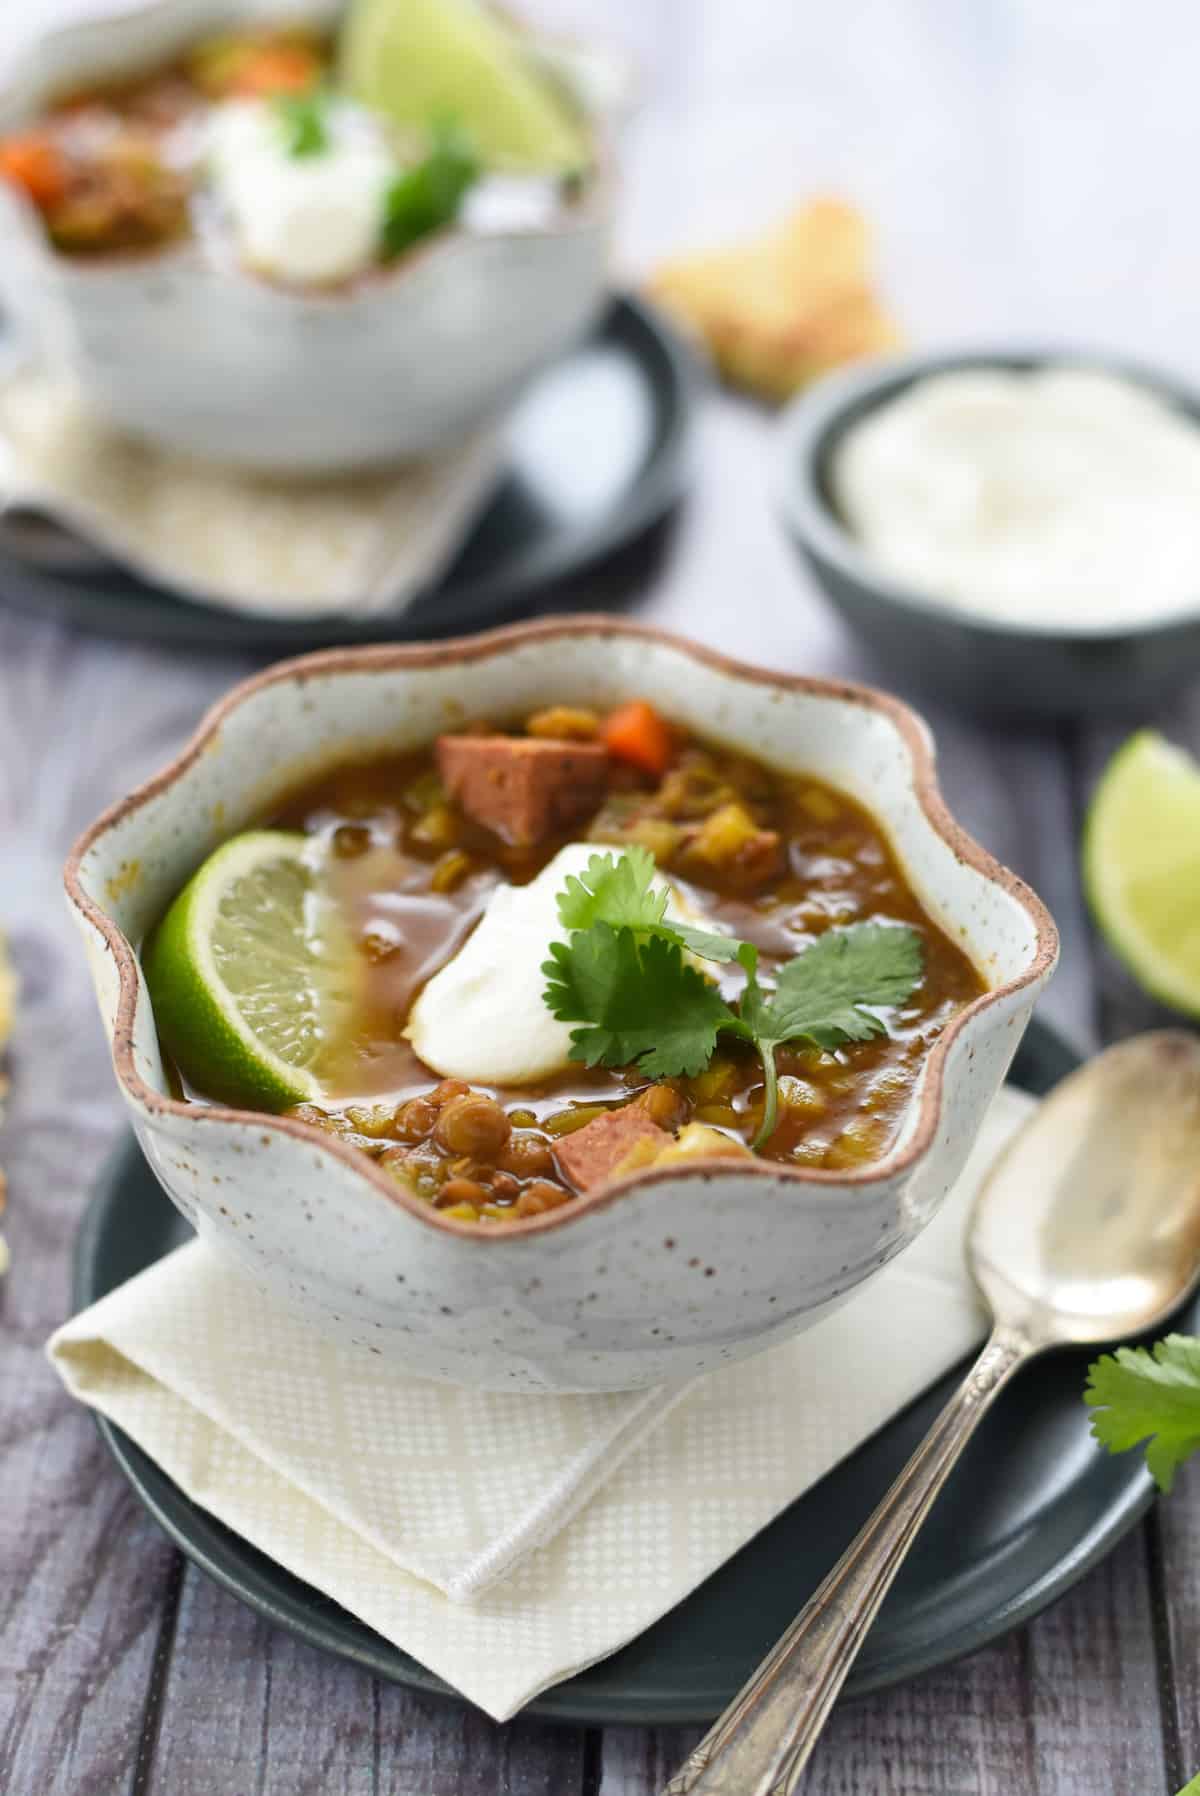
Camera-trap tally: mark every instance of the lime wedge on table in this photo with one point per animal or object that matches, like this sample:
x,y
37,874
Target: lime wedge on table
x,y
1141,865
252,973
421,60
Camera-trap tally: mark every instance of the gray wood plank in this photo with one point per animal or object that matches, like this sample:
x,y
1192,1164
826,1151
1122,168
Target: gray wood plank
x,y
1066,1707
84,1572
1175,1527
247,1708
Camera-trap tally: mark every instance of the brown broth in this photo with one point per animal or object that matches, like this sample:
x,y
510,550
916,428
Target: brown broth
x,y
392,837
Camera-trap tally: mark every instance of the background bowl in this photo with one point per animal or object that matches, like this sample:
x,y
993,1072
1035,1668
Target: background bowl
x,y
663,1274
980,662
217,363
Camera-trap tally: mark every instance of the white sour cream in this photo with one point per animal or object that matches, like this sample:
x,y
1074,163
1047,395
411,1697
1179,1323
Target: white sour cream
x,y
1065,499
482,1017
308,219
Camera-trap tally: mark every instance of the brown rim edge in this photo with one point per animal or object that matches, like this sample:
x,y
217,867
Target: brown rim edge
x,y
384,658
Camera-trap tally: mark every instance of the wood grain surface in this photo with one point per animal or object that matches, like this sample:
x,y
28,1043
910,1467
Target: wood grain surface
x,y
1029,169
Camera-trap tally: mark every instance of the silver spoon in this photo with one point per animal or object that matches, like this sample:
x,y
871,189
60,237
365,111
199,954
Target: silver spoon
x,y
1087,1229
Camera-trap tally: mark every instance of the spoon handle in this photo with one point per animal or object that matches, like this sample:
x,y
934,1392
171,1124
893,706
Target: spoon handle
x,y
763,1741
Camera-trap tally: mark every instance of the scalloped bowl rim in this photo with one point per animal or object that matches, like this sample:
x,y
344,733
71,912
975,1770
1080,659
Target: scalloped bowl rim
x,y
384,658
814,420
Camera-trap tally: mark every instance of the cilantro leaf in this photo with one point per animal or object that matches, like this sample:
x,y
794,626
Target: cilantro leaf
x,y
303,123
615,889
1137,1394
820,996
623,974
620,889
640,1000
427,196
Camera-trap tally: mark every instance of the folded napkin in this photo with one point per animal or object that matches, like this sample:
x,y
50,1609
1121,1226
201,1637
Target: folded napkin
x,y
506,1541
357,544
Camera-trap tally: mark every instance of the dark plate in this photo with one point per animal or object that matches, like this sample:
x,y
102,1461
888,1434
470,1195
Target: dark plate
x,y
1034,1504
597,457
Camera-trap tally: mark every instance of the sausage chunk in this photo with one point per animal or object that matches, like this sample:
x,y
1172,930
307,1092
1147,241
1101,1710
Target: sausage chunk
x,y
593,1154
523,788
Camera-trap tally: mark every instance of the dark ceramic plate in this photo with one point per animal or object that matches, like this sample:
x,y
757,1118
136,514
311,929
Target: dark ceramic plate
x,y
981,663
597,458
1034,1504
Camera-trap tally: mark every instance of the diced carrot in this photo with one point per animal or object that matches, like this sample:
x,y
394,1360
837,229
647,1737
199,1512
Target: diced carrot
x,y
36,164
277,69
638,733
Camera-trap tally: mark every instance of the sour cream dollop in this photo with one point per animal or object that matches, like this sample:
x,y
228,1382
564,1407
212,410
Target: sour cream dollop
x,y
311,218
482,1016
1063,499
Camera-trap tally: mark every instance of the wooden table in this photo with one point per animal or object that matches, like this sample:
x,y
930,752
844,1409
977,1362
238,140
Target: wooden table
x,y
1031,170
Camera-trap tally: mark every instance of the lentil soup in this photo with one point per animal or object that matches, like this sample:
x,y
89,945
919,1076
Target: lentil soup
x,y
412,849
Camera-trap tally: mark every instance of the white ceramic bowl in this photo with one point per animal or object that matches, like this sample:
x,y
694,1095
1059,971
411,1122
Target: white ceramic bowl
x,y
217,363
666,1273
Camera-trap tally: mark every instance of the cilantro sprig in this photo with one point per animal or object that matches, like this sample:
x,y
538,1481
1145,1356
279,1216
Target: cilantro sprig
x,y
623,976
303,123
1149,1394
427,196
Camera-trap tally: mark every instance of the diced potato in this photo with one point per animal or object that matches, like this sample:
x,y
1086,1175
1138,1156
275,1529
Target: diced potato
x,y
725,834
861,1141
563,723
717,1082
695,1142
656,834
698,1140
723,1115
800,1096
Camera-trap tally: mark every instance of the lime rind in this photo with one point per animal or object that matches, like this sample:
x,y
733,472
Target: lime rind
x,y
251,974
420,60
1141,866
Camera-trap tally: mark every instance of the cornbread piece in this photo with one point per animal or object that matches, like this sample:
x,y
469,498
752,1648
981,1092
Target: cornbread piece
x,y
593,1154
523,788
777,312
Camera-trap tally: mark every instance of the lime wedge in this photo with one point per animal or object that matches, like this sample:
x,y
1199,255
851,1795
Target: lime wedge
x,y
253,975
418,61
1141,865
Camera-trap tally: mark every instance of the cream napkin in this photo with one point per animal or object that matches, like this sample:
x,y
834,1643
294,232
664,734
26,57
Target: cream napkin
x,y
506,1541
356,544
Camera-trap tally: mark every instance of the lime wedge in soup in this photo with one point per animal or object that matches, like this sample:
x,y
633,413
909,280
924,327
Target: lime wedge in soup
x,y
1141,865
253,975
420,61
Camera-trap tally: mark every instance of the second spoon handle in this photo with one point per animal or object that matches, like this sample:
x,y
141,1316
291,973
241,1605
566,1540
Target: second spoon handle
x,y
763,1741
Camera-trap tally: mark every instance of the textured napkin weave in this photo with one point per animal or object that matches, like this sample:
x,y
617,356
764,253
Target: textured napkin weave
x,y
357,544
506,1541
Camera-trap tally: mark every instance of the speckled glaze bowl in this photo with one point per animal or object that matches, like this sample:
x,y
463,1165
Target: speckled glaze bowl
x,y
978,661
660,1275
214,362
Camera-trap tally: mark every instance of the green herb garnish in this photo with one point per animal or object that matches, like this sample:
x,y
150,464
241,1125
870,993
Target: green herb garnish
x,y
303,123
622,975
1141,1394
427,196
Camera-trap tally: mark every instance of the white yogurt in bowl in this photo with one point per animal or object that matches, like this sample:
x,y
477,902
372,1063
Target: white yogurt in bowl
x,y
1060,498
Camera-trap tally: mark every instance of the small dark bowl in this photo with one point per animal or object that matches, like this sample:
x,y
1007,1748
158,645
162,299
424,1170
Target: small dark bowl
x,y
981,663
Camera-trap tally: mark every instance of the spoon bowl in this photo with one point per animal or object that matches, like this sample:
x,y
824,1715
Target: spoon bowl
x,y
1088,1226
